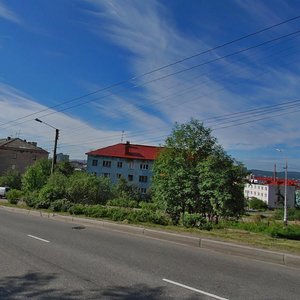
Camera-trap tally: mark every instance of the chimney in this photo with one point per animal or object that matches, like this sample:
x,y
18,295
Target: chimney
x,y
127,146
8,138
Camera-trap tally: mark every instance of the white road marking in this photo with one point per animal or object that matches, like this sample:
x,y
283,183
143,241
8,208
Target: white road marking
x,y
37,238
193,289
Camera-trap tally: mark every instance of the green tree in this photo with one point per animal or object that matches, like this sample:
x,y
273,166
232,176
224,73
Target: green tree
x,y
125,190
221,185
36,175
88,189
65,168
190,150
12,179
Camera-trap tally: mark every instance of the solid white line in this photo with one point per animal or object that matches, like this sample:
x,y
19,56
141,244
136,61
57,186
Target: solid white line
x,y
37,238
195,290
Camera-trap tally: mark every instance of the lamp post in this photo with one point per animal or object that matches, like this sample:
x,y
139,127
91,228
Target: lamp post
x,y
55,143
285,213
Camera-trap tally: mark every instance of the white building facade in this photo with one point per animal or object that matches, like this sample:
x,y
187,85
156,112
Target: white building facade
x,y
271,194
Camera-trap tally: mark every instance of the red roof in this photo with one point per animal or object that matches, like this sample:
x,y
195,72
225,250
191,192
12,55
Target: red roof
x,y
127,150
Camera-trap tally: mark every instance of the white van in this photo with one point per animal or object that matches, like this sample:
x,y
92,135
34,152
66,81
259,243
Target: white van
x,y
3,191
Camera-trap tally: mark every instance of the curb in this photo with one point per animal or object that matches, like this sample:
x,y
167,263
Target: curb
x,y
284,259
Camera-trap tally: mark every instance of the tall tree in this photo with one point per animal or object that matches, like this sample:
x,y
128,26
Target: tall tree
x,y
189,151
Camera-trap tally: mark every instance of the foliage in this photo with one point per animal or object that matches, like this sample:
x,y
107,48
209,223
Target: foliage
x,y
255,203
13,196
60,205
293,214
149,206
12,179
188,176
88,189
54,189
221,186
196,220
31,198
36,175
64,168
126,190
122,202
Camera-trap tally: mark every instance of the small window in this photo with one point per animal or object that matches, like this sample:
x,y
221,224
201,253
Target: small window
x,y
106,174
95,162
143,178
33,157
144,166
119,175
131,165
120,164
107,163
143,190
14,156
130,177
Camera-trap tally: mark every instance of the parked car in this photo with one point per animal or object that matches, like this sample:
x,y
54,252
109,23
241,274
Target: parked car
x,y
3,191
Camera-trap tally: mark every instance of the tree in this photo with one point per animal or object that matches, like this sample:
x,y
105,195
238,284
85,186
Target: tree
x,y
36,175
88,189
12,179
64,168
187,169
221,185
125,190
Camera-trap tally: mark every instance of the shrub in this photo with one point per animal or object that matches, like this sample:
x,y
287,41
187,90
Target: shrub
x,y
291,232
88,189
60,205
293,214
196,220
31,198
77,209
122,202
258,204
13,196
149,206
54,189
11,178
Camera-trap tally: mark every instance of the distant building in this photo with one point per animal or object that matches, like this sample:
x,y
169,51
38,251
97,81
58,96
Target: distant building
x,y
62,157
130,161
78,165
271,191
18,154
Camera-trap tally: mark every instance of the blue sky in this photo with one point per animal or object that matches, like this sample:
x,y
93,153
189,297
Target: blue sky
x,y
54,52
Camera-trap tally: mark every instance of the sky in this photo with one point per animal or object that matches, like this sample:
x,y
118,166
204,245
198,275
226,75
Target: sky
x,y
105,72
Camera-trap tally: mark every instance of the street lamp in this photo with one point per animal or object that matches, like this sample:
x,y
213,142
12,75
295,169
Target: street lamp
x,y
55,143
285,213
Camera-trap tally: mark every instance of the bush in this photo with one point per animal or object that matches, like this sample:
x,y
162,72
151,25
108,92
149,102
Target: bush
x,y
291,232
13,196
88,189
11,178
31,198
60,205
149,206
122,202
77,209
54,189
293,214
196,220
258,204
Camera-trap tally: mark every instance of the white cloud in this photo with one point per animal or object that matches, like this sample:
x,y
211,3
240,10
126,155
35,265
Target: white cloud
x,y
147,31
8,14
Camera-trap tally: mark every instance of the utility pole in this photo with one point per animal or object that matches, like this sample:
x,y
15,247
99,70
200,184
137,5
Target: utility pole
x,y
285,214
55,143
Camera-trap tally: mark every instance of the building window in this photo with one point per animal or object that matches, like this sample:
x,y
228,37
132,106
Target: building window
x,y
144,166
130,177
119,175
119,164
107,163
33,157
14,156
95,162
143,190
143,178
131,165
106,174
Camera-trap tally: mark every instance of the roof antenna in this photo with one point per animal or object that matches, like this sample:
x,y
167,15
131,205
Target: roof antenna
x,y
122,137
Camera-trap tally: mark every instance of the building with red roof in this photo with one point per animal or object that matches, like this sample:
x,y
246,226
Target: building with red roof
x,y
130,161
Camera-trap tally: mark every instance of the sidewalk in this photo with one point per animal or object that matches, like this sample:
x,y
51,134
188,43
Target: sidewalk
x,y
285,259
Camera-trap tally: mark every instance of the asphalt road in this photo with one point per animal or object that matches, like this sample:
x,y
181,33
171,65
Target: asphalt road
x,y
41,258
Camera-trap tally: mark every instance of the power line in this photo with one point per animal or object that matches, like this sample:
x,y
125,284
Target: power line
x,y
154,70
